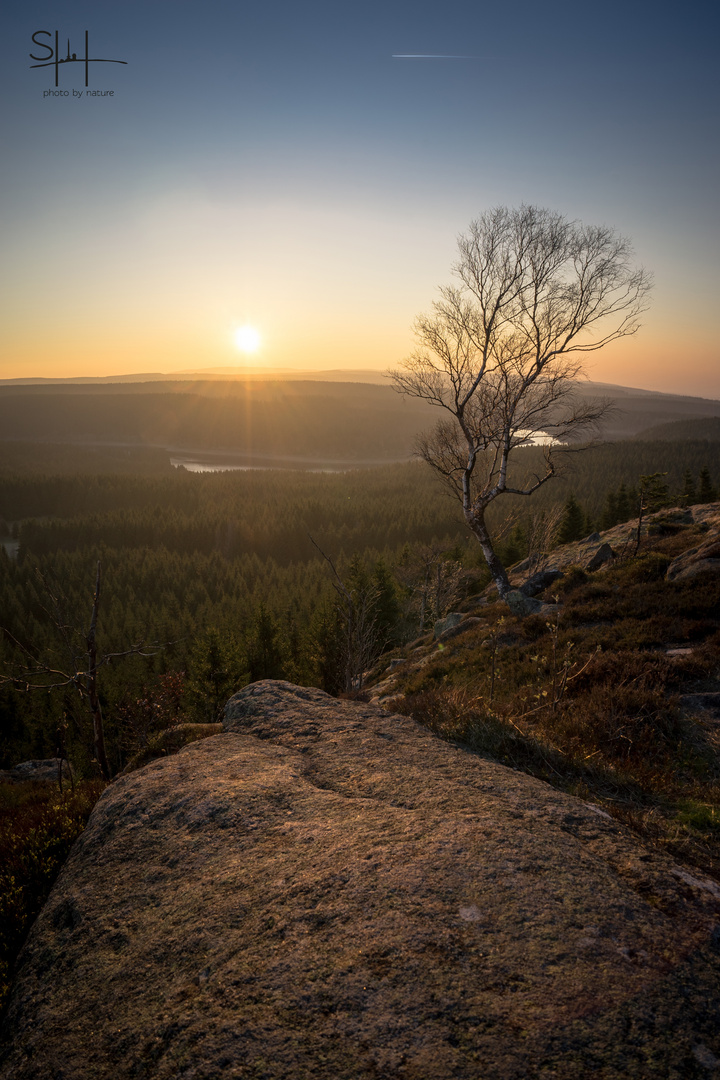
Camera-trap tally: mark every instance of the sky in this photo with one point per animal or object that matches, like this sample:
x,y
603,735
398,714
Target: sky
x,y
279,167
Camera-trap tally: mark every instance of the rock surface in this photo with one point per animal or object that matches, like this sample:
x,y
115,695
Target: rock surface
x,y
48,769
701,561
448,623
539,582
327,891
604,554
522,605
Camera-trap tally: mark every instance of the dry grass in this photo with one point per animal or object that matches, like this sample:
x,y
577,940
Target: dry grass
x,y
38,826
588,700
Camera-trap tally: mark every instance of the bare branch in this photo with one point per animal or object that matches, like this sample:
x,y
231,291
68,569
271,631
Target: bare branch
x,y
500,352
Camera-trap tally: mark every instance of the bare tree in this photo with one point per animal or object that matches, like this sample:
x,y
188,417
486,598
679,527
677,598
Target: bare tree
x,y
433,578
362,640
501,351
81,667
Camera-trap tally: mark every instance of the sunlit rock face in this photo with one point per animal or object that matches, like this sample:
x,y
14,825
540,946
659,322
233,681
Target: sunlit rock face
x,y
328,891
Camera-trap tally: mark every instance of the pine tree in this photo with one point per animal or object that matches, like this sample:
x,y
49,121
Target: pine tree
x,y
263,647
688,491
386,609
654,492
572,526
610,513
216,672
624,508
707,492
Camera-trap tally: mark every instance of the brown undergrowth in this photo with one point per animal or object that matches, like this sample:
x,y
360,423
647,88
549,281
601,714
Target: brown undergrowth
x,y
38,825
592,697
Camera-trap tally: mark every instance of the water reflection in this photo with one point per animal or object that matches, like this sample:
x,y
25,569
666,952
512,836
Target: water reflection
x,y
194,466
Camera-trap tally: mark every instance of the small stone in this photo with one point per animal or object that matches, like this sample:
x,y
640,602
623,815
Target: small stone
x,y
460,628
472,913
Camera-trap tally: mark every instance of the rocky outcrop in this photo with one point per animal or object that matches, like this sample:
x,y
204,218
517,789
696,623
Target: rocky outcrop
x,y
702,561
47,769
622,539
328,891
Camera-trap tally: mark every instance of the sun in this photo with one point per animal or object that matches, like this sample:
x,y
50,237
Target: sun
x,y
247,339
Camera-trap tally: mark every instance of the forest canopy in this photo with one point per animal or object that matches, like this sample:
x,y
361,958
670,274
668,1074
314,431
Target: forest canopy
x,y
222,569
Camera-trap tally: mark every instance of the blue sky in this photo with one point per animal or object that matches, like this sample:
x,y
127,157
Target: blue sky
x,y
276,166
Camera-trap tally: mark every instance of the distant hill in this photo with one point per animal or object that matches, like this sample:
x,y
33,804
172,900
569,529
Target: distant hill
x,y
704,427
306,418
345,422
637,410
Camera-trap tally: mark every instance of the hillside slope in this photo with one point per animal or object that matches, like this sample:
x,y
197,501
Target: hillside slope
x,y
610,688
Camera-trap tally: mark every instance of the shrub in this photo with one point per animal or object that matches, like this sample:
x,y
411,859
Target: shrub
x,y
650,566
573,577
38,826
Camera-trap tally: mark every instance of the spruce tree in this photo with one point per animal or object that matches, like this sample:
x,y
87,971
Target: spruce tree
x,y
610,513
707,492
688,491
572,526
624,510
264,648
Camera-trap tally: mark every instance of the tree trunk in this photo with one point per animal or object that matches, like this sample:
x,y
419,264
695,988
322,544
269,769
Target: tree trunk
x,y
92,692
476,521
423,600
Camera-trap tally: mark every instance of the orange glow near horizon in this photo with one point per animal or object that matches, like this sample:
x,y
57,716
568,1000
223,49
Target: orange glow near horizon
x,y
646,361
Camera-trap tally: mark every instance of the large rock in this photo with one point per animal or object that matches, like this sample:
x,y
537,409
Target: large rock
x,y
537,583
603,555
522,605
448,623
703,561
327,891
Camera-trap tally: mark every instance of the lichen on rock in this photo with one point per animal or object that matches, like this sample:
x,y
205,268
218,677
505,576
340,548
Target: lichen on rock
x,y
325,890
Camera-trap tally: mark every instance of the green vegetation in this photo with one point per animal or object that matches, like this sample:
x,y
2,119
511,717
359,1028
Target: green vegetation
x,y
221,569
700,427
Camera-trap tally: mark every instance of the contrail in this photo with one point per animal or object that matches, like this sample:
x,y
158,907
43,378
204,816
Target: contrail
x,y
431,56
